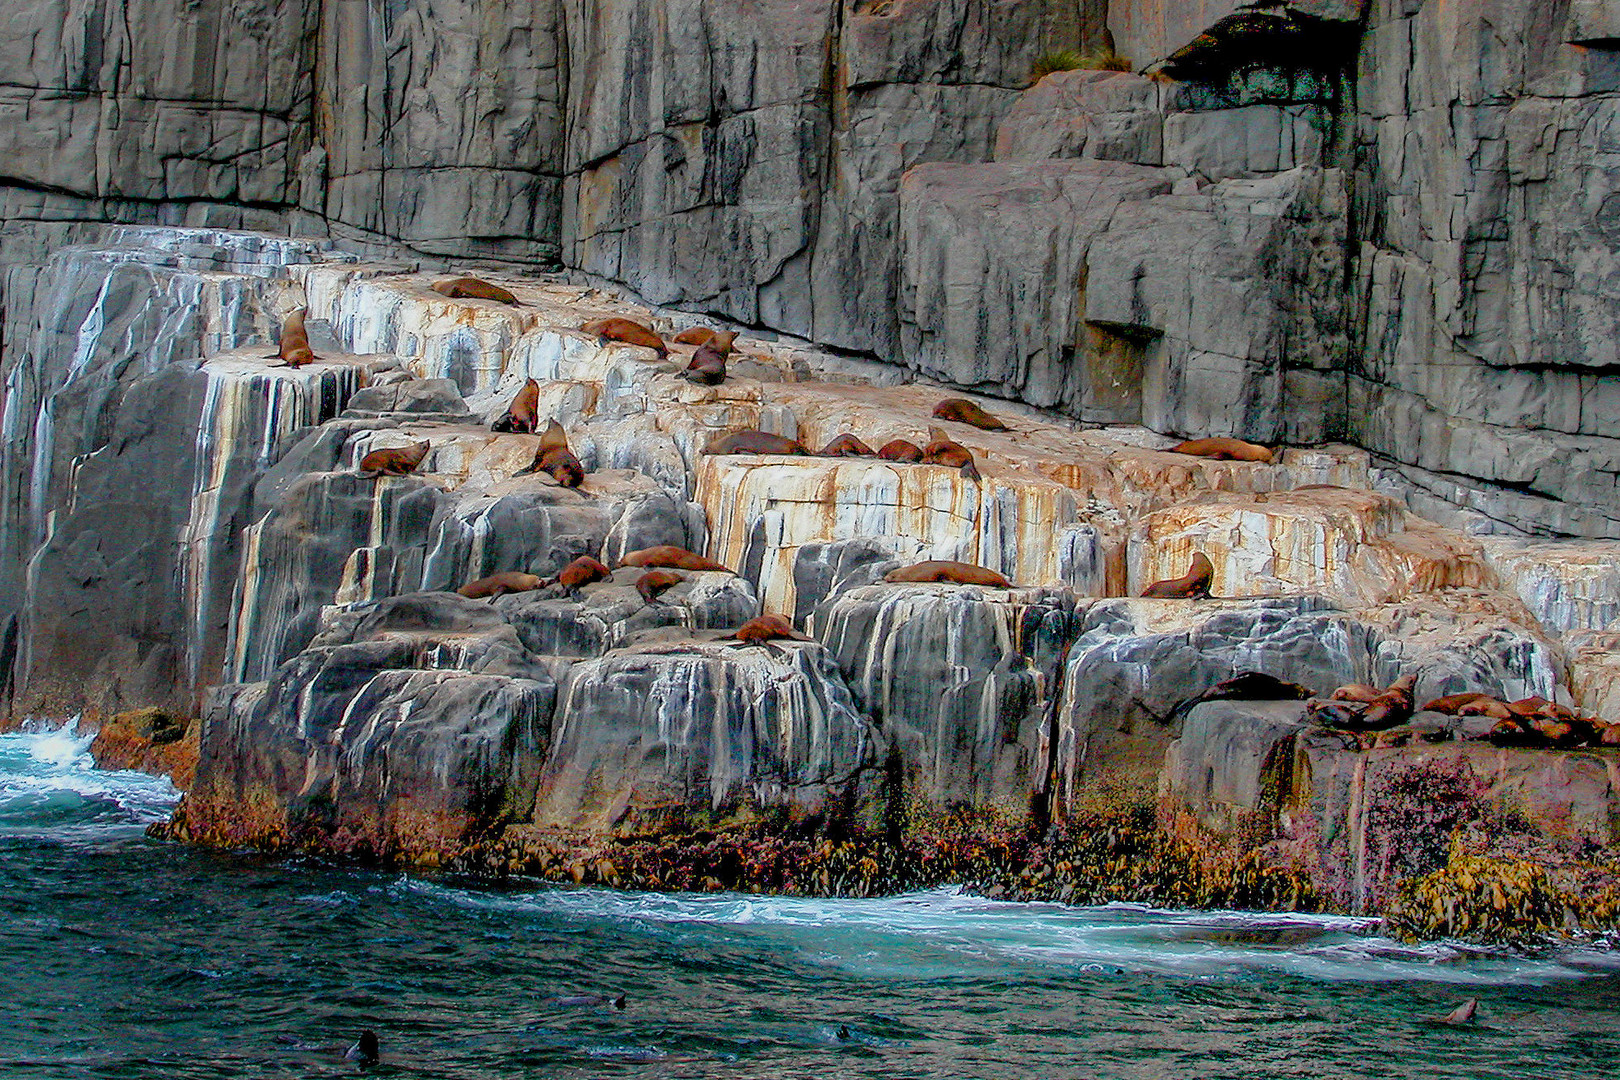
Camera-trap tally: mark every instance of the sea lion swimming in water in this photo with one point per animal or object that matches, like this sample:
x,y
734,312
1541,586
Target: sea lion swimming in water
x,y
668,555
1223,449
628,331
955,573
365,1050
396,461
964,411
507,581
521,415
1193,585
554,457
294,350
756,442
900,450
654,583
471,288
846,445
944,451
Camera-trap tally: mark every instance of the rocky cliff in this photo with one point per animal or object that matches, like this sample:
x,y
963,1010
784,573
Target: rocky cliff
x,y
1369,234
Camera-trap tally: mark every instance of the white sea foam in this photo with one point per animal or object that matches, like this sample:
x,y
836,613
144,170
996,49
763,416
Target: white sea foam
x,y
946,933
50,788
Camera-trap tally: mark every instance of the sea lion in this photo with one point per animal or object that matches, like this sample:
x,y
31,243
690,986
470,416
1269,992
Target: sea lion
x,y
955,573
655,583
1453,702
695,335
628,331
900,450
294,350
1462,1014
964,411
1256,686
575,1001
1485,705
1355,692
668,555
365,1050
1392,707
1338,714
765,628
520,415
707,366
507,581
944,451
553,456
395,461
579,573
756,442
471,288
1193,585
846,445
1223,449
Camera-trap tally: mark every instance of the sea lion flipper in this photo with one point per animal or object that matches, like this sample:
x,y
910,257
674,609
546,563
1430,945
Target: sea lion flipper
x,y
969,471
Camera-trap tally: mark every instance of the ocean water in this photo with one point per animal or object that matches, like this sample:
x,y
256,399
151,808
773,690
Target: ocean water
x,y
124,957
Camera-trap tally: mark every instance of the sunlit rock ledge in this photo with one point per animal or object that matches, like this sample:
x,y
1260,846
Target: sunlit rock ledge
x,y
924,709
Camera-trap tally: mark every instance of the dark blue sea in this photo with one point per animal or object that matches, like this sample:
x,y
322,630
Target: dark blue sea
x,y
126,957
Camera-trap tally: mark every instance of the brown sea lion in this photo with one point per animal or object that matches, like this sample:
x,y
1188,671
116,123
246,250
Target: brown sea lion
x,y
944,451
1452,702
668,555
1194,585
1223,449
964,411
553,456
294,350
471,288
846,445
900,450
1391,708
765,628
655,583
1512,733
521,414
396,461
695,335
628,331
507,581
756,442
1485,705
707,366
956,573
1355,692
581,572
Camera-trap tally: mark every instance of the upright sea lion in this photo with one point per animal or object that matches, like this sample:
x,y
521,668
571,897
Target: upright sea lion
x,y
553,456
579,573
668,555
756,442
396,461
628,331
366,1050
708,364
1223,449
900,450
846,445
471,288
1194,585
507,581
1393,706
521,414
294,349
655,583
944,451
766,628
964,411
956,573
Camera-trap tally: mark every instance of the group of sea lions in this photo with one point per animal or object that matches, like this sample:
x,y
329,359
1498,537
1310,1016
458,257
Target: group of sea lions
x,y
708,363
1374,713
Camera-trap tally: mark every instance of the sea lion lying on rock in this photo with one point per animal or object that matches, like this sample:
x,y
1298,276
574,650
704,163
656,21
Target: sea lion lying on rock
x,y
521,415
900,450
1193,585
471,288
846,445
654,583
507,581
944,451
294,350
1223,449
1389,708
553,457
964,411
1256,686
628,331
695,335
579,573
756,442
765,628
396,461
955,573
669,555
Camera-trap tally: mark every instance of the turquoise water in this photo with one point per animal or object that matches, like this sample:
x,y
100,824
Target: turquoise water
x,y
122,957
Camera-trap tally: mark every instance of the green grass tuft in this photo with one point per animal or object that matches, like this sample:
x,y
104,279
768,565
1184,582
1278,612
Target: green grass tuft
x,y
1075,60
